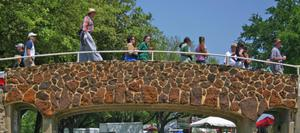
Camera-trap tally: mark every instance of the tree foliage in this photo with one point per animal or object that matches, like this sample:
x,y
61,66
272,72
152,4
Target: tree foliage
x,y
283,23
57,22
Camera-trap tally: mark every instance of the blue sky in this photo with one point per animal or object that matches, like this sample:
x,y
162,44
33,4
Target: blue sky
x,y
220,21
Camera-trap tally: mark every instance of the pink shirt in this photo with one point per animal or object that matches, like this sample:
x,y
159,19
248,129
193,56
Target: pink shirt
x,y
88,24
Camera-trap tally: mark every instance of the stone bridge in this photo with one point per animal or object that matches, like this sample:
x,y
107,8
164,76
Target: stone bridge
x,y
61,90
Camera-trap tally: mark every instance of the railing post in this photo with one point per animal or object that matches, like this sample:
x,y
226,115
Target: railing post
x,y
78,57
227,61
152,56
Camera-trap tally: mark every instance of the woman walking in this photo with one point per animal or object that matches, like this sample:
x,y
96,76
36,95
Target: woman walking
x,y
144,46
201,59
186,47
87,42
131,55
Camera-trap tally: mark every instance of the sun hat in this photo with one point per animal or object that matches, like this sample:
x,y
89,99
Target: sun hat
x,y
19,45
91,10
31,34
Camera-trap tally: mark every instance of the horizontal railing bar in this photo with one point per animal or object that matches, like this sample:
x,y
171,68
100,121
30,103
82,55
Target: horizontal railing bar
x,y
151,51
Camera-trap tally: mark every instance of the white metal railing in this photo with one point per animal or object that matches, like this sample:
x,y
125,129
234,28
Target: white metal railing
x,y
152,52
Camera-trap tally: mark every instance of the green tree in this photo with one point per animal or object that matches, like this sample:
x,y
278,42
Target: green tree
x,y
57,24
283,23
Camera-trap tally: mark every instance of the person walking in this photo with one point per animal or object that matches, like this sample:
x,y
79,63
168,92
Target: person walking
x,y
230,58
186,47
246,61
201,59
145,45
277,57
132,55
239,53
20,59
87,42
30,50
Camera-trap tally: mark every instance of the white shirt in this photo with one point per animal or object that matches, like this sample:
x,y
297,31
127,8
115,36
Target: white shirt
x,y
232,62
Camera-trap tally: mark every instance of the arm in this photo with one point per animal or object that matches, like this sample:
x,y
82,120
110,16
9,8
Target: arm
x,y
131,47
85,24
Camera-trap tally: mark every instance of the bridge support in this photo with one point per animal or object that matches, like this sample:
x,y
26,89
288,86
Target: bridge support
x,y
297,123
12,119
49,125
246,126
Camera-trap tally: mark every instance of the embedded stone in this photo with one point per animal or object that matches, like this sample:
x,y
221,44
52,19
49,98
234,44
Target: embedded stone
x,y
65,100
76,100
184,97
129,97
38,78
174,96
249,108
196,96
120,93
72,85
13,96
219,83
99,96
44,85
224,101
134,86
211,78
275,99
289,103
86,99
23,88
235,107
163,98
109,96
205,84
279,87
42,96
289,89
29,96
149,94
263,106
211,98
266,94
43,106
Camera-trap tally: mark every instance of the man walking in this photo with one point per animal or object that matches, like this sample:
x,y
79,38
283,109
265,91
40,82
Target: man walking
x,y
231,61
21,51
30,50
277,57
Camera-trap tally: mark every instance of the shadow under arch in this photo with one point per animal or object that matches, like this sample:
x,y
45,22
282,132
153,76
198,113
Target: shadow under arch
x,y
150,107
282,117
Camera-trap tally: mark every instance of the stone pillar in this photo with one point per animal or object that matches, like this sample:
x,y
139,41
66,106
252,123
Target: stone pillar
x,y
3,124
246,126
297,123
12,119
49,125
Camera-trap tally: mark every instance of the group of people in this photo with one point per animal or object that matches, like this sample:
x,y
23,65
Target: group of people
x,y
27,50
237,55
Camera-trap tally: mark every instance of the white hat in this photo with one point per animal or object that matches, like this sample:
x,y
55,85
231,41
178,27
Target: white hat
x,y
91,10
19,45
31,34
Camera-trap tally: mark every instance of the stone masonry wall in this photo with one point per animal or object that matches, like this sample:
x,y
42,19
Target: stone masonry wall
x,y
59,87
2,113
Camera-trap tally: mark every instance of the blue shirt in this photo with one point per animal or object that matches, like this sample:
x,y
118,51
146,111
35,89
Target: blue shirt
x,y
29,45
